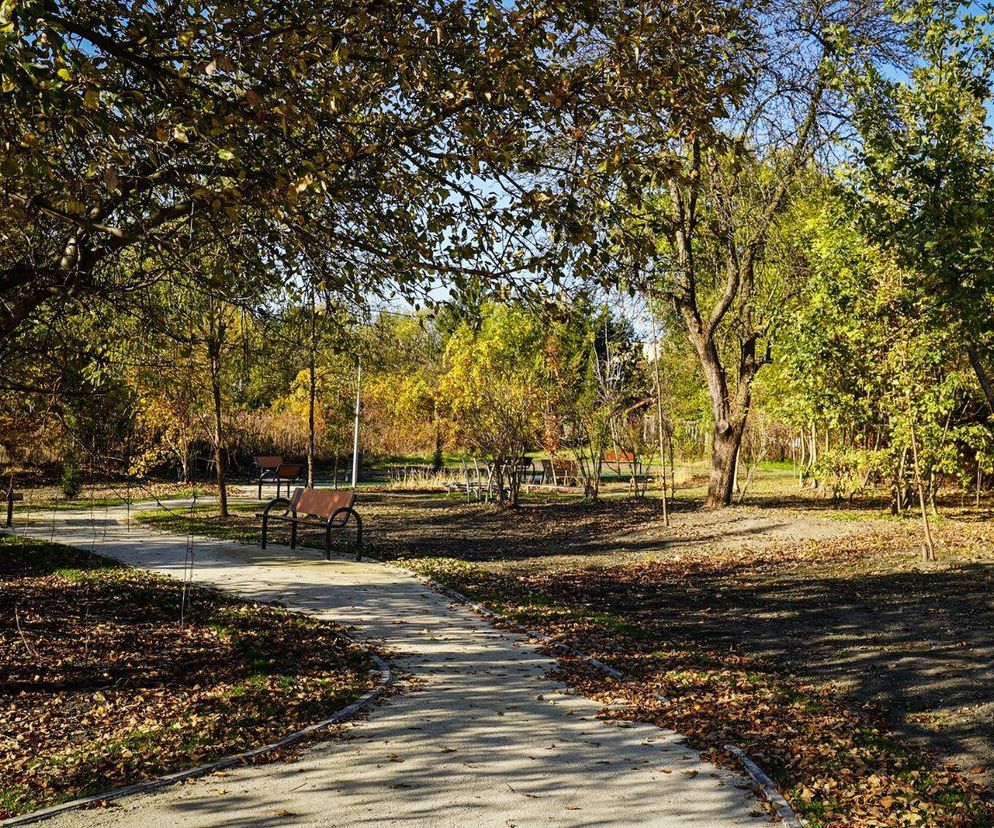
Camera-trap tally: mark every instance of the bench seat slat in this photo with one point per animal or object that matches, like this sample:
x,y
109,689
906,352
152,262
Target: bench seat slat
x,y
299,521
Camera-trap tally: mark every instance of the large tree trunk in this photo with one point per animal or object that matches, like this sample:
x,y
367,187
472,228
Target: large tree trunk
x,y
725,447
729,412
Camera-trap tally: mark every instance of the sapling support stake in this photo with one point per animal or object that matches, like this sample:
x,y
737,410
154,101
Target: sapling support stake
x,y
928,548
187,580
55,507
24,639
659,416
106,518
979,479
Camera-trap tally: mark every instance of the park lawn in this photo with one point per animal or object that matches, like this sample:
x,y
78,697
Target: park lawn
x,y
241,525
788,634
102,686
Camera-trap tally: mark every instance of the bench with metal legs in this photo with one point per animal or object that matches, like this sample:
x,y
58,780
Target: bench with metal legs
x,y
317,508
288,473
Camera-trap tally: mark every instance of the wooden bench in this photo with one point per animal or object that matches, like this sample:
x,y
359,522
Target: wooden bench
x,y
11,499
288,473
267,462
616,461
619,457
319,508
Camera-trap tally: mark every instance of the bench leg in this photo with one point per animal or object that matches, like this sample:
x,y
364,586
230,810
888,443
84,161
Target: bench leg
x,y
10,512
327,543
293,535
358,538
265,528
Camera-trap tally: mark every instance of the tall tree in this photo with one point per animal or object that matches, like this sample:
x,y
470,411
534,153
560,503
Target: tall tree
x,y
356,127
923,172
698,198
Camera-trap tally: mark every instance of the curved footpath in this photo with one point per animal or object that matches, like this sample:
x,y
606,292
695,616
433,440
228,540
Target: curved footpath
x,y
479,738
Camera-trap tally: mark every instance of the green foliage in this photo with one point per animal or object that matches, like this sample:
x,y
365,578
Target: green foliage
x,y
848,470
923,174
71,481
131,123
875,358
492,384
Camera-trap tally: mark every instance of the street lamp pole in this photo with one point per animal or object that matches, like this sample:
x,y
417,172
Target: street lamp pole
x,y
355,433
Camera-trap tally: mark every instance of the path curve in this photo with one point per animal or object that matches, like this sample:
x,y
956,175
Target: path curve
x,y
480,738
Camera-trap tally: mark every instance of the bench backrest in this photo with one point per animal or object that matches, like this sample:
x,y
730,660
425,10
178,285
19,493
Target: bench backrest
x,y
321,502
619,457
267,462
560,468
289,471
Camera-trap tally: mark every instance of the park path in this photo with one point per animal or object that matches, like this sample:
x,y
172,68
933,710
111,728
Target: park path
x,y
479,738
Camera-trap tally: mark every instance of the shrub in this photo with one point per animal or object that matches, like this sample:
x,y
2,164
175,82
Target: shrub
x,y
71,480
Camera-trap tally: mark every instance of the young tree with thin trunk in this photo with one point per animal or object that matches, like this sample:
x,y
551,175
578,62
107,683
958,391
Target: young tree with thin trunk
x,y
215,340
312,386
660,425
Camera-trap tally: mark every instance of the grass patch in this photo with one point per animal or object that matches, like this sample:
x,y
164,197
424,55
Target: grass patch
x,y
242,524
50,502
102,686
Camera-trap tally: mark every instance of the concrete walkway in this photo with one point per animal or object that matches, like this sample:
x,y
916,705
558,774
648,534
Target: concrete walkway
x,y
479,738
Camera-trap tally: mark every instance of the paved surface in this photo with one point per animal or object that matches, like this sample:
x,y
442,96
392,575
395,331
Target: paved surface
x,y
480,738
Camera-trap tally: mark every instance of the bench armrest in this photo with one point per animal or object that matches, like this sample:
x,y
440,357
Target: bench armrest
x,y
345,510
276,501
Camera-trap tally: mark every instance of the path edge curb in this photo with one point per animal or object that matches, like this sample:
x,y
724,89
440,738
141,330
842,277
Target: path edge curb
x,y
769,789
383,683
486,612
